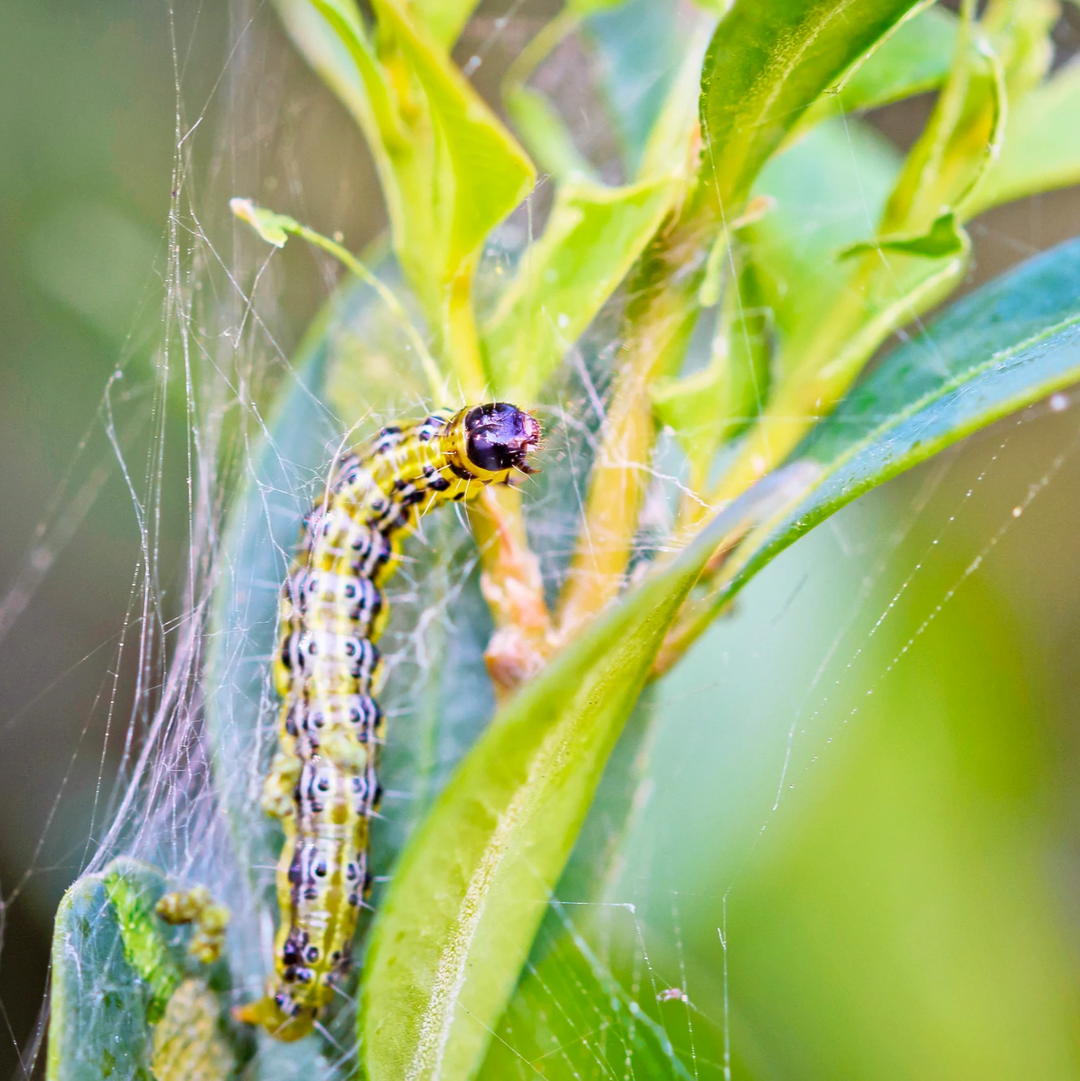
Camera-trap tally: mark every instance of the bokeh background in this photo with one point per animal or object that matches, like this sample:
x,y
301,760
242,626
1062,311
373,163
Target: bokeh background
x,y
909,908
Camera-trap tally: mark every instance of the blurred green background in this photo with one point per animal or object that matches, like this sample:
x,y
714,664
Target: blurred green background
x,y
910,907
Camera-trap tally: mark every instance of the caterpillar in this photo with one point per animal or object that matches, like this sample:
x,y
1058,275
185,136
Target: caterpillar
x,y
322,783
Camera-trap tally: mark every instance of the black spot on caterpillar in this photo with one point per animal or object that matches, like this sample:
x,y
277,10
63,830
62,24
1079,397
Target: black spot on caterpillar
x,y
322,784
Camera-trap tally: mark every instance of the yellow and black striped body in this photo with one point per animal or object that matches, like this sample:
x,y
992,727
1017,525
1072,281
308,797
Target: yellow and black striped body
x,y
322,784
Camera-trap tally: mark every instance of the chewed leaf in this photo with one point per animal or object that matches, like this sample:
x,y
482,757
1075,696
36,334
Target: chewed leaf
x,y
472,886
118,985
273,228
133,891
98,1022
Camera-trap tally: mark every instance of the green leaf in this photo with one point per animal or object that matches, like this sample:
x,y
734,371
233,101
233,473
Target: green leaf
x,y
1041,150
1021,34
829,190
640,47
592,238
950,160
98,1024
887,289
1011,343
568,1001
547,137
450,171
443,19
713,404
133,891
116,971
914,58
273,228
944,238
472,887
478,172
766,62
566,990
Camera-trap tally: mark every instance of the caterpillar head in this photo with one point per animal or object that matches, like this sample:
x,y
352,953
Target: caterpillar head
x,y
499,438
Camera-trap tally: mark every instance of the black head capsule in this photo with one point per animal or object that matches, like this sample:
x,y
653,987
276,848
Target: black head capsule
x,y
499,436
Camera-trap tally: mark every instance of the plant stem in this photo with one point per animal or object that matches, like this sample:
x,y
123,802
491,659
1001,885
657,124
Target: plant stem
x,y
461,340
513,588
435,378
659,320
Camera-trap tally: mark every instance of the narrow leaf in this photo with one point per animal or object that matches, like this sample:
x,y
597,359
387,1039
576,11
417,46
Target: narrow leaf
x,y
473,885
944,237
443,19
450,171
1041,150
592,238
765,63
98,1021
914,58
479,173
888,289
1011,343
829,191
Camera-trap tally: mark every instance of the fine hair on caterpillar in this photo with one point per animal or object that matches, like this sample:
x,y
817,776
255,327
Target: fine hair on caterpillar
x,y
322,783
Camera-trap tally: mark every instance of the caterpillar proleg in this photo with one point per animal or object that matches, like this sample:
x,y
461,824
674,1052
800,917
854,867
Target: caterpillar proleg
x,y
322,784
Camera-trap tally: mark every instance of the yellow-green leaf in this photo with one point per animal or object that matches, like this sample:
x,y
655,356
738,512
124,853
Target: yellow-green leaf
x,y
1011,343
591,240
914,58
478,173
450,170
1038,153
767,62
444,19
474,882
944,237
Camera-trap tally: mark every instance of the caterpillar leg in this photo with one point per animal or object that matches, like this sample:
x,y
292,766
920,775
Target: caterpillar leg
x,y
280,783
279,1014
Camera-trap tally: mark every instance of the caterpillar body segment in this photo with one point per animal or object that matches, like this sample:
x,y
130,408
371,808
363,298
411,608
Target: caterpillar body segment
x,y
322,784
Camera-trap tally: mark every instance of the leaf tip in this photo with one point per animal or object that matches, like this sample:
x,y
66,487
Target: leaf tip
x,y
273,228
